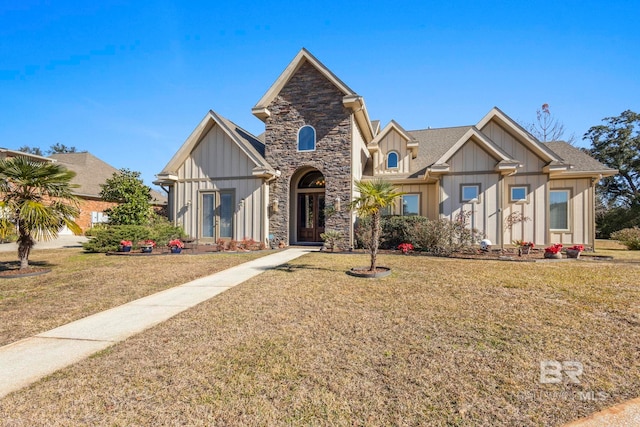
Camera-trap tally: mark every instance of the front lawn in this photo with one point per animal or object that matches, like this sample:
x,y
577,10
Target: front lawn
x,y
81,284
439,342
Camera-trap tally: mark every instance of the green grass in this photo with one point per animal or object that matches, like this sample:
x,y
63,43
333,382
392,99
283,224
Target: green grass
x,y
439,342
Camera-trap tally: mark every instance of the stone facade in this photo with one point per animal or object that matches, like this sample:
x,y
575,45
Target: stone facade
x,y
309,99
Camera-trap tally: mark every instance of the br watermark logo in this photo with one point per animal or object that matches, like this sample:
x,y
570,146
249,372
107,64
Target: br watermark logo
x,y
552,371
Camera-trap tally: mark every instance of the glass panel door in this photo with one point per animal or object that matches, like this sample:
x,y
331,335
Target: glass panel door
x,y
208,215
226,214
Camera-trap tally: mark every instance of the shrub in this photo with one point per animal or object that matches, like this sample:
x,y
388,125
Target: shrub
x,y
331,238
439,237
630,237
106,239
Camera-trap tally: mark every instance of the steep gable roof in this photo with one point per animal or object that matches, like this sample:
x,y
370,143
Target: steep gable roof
x,y
412,144
525,137
350,100
249,144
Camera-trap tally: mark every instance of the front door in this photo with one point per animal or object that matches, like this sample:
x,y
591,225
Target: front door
x,y
310,217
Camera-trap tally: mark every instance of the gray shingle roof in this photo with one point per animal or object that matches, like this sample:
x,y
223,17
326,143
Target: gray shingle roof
x,y
433,144
243,134
574,156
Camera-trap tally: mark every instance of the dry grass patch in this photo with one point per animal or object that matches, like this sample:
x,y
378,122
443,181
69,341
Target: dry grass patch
x,y
439,342
81,284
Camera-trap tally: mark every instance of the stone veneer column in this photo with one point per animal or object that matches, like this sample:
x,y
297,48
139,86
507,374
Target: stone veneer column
x,y
309,99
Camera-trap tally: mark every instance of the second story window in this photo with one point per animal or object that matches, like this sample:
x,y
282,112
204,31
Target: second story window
x,y
392,160
307,138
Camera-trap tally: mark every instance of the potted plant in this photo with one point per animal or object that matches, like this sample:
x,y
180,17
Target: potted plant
x,y
523,247
147,246
176,246
553,251
574,251
405,247
125,246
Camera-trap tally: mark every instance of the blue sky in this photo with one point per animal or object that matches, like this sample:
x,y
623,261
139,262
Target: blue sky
x,y
129,81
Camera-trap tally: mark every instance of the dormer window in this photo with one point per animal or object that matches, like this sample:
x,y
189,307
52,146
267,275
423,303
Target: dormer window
x,y
307,138
392,160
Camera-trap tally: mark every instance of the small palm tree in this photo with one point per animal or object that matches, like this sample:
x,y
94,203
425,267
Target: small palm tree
x,y
36,197
374,196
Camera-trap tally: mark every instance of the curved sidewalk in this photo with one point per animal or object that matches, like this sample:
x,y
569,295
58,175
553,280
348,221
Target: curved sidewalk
x,y
26,361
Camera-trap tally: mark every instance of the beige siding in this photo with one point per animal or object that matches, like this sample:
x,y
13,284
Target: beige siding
x,y
485,214
471,157
580,212
513,147
428,202
217,163
535,209
392,142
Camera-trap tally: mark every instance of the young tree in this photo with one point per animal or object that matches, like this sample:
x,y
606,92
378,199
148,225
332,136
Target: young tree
x,y
548,128
133,197
36,197
374,196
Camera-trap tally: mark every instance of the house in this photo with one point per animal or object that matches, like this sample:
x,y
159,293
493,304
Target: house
x,y
91,173
224,183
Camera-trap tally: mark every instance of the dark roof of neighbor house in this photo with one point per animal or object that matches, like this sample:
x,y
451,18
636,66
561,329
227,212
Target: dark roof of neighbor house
x,y
576,157
91,172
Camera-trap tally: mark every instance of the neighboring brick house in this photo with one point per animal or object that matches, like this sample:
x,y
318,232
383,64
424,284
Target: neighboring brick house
x,y
91,173
225,183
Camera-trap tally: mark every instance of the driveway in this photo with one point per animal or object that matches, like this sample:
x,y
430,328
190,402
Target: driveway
x,y
60,242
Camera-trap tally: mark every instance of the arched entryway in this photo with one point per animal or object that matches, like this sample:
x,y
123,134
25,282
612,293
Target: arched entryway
x,y
309,196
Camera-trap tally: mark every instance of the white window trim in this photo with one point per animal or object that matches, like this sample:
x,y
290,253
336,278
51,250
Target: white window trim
x,y
397,160
478,192
315,139
526,198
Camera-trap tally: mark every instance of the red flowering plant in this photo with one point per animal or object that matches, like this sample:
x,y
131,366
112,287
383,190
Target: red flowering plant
x,y
554,249
149,243
176,243
523,243
405,247
126,243
578,248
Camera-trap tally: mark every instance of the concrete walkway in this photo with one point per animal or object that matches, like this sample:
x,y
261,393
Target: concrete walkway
x,y
28,360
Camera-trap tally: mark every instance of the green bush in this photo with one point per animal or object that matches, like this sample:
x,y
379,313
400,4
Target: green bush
x,y
630,237
105,239
439,237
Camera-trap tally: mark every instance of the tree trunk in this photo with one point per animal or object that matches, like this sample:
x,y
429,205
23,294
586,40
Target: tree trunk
x,y
375,240
25,243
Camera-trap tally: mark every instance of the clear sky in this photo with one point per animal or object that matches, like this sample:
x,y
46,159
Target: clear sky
x,y
129,81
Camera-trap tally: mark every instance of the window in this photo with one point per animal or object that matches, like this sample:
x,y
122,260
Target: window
x,y
410,204
306,138
469,192
392,160
226,214
559,209
519,193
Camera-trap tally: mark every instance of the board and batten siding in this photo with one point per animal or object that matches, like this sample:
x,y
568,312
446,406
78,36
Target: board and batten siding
x,y
535,209
426,192
580,211
392,142
512,146
217,163
485,214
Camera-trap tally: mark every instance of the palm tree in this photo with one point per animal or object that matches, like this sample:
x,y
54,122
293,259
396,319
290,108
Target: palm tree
x,y
36,197
374,196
